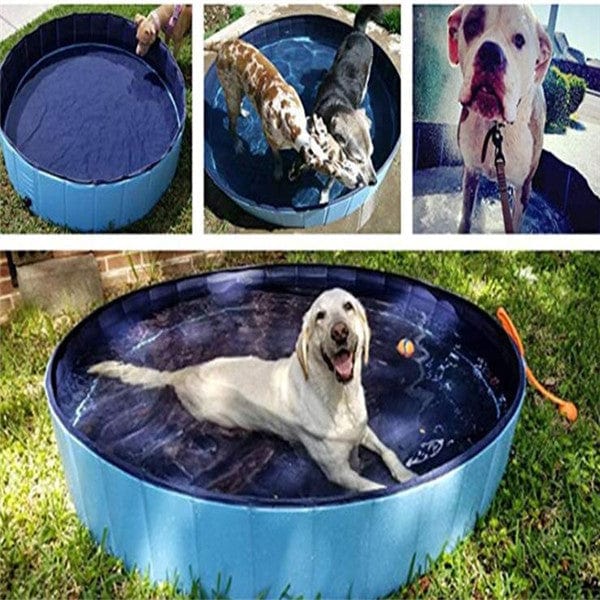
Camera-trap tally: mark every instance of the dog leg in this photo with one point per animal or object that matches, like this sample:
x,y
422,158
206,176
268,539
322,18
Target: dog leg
x,y
470,185
244,113
233,99
397,469
324,199
521,201
297,169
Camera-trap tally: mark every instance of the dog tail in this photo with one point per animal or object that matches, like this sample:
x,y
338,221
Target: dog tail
x,y
366,13
143,376
213,46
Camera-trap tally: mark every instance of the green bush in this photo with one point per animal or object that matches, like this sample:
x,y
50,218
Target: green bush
x,y
391,20
556,90
577,87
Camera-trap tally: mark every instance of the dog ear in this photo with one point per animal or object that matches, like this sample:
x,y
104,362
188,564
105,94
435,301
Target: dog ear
x,y
454,20
544,56
302,346
366,332
138,19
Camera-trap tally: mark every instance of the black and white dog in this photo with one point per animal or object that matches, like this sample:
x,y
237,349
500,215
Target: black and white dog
x,y
339,100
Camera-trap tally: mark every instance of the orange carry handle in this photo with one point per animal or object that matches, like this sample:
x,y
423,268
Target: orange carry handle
x,y
565,408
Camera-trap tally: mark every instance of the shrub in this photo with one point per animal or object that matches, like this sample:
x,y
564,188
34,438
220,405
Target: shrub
x,y
391,20
556,90
577,87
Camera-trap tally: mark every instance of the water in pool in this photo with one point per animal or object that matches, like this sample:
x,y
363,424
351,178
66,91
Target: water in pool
x,y
302,61
429,408
438,204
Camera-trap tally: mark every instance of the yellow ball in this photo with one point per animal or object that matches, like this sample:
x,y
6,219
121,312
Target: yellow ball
x,y
405,348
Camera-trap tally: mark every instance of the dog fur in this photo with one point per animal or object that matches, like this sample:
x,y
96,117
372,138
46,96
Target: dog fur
x,y
315,396
149,27
504,54
341,94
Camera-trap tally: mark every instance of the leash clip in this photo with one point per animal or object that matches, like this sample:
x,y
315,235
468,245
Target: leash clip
x,y
495,134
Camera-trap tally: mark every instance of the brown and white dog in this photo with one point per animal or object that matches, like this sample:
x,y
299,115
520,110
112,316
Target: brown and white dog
x,y
504,54
175,20
244,71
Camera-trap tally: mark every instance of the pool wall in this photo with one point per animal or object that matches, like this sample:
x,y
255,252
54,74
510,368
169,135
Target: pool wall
x,y
88,206
362,547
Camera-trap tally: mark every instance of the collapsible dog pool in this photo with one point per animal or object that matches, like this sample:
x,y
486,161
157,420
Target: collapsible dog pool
x,y
90,132
302,48
187,499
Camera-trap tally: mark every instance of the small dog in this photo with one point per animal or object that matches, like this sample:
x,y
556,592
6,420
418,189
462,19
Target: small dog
x,y
315,396
244,71
341,94
504,54
175,20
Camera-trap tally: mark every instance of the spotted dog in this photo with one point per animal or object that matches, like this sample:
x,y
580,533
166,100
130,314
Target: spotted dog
x,y
504,53
244,71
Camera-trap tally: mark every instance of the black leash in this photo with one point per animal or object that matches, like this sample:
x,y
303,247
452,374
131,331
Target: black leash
x,y
495,134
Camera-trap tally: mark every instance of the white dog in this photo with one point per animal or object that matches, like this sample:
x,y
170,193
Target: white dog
x,y
504,53
314,396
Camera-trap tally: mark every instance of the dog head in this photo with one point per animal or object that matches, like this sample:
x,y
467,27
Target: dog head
x,y
351,129
323,154
503,52
146,35
335,336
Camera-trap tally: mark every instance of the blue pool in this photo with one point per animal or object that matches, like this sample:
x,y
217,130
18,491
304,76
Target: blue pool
x,y
303,49
90,132
188,499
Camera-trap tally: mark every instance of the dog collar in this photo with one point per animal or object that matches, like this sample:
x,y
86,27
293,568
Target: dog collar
x,y
177,10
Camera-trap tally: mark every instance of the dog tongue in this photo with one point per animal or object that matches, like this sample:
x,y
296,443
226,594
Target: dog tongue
x,y
343,364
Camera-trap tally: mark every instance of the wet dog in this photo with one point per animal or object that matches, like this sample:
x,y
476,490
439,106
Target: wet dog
x,y
175,20
244,71
504,54
341,94
315,396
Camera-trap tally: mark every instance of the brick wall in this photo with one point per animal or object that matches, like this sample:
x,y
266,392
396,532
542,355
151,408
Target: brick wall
x,y
117,271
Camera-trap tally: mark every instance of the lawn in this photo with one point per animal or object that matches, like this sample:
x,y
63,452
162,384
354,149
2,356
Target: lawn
x,y
173,213
540,537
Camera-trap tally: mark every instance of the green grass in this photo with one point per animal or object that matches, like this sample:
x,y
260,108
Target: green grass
x,y
540,537
391,18
173,213
235,12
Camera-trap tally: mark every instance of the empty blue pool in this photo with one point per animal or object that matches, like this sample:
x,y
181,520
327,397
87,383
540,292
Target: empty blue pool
x,y
90,132
303,49
185,499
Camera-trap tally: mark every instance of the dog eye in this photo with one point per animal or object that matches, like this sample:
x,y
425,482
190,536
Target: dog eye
x,y
320,315
348,306
519,41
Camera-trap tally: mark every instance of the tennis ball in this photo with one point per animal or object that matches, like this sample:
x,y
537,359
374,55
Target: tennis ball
x,y
405,348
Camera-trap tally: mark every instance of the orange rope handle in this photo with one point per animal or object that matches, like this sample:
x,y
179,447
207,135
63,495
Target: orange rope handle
x,y
565,408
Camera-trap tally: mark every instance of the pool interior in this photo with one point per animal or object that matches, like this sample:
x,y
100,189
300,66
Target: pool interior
x,y
303,61
92,112
438,205
429,408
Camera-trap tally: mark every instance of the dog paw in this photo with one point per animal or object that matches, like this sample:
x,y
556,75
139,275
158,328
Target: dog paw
x,y
324,198
397,469
244,113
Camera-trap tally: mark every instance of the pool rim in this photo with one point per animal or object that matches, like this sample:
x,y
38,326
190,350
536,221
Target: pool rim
x,y
292,503
181,119
220,182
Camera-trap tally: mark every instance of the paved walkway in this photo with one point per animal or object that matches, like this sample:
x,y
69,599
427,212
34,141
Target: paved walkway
x,y
15,16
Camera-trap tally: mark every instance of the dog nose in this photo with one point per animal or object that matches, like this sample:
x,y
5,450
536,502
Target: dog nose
x,y
339,332
373,180
491,58
359,180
